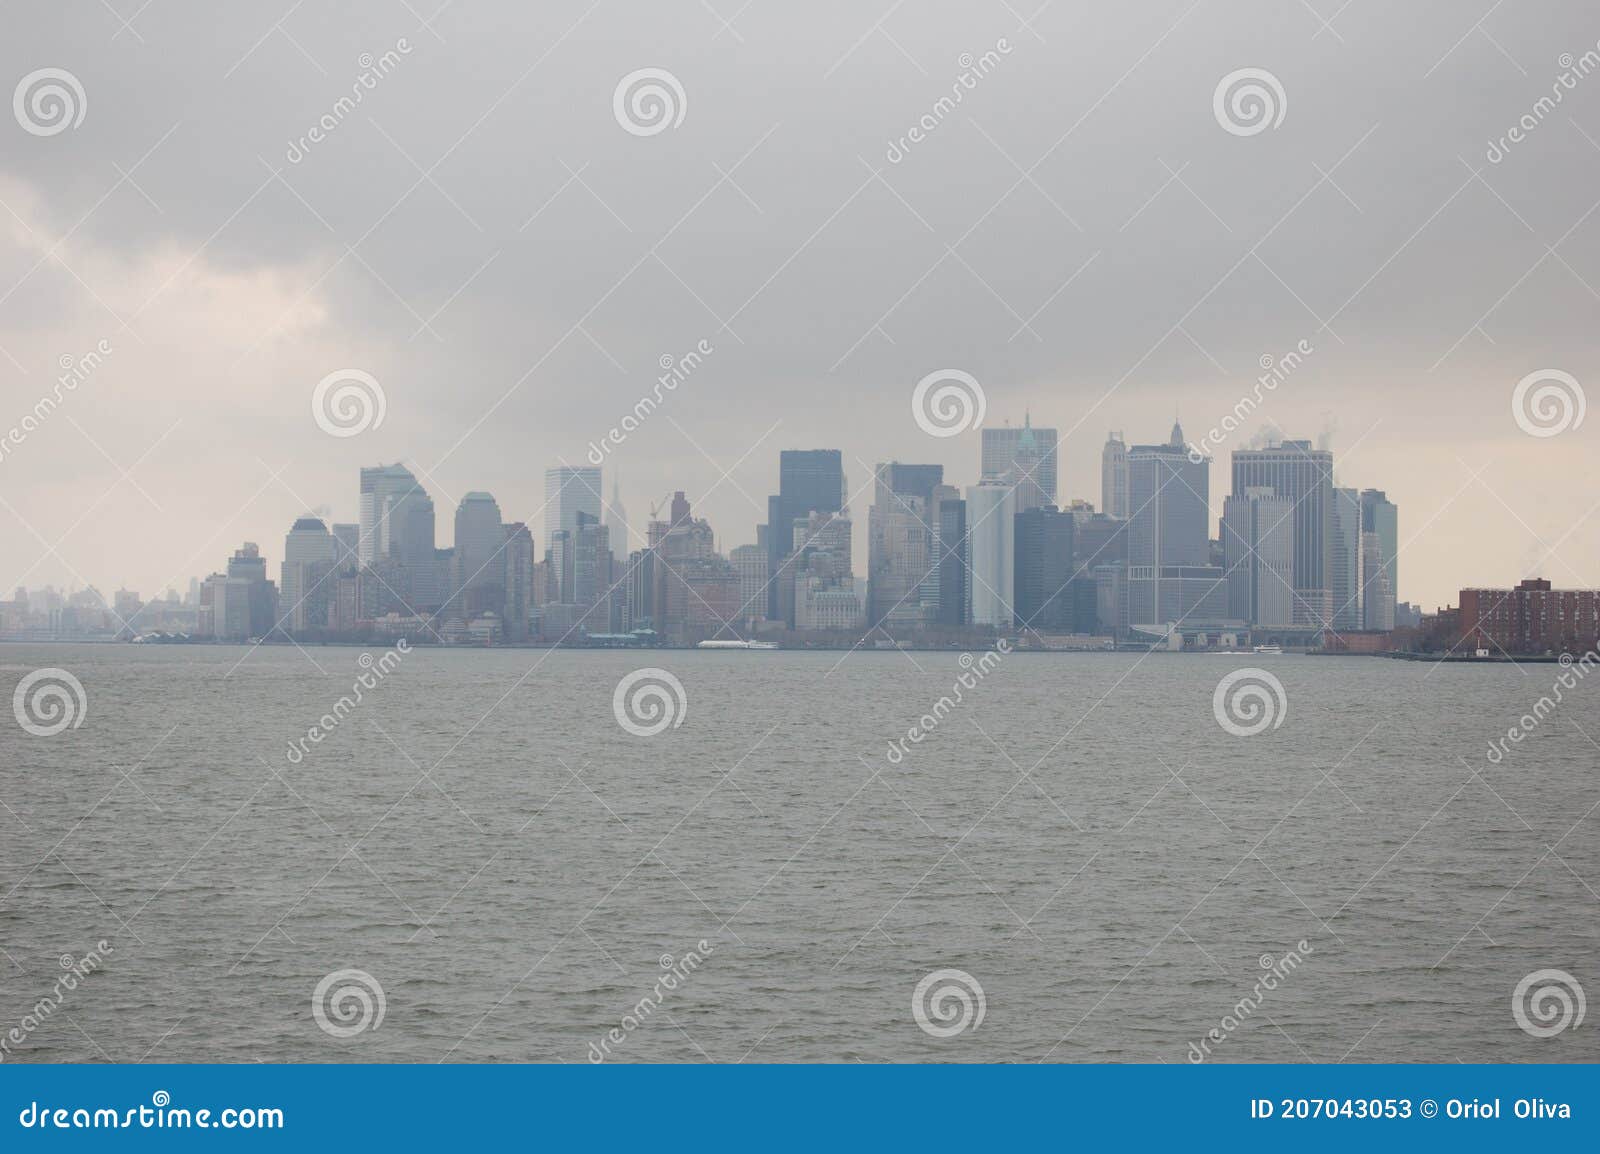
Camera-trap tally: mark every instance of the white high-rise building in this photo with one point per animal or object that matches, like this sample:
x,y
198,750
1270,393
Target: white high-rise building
x,y
568,491
1114,477
309,556
991,544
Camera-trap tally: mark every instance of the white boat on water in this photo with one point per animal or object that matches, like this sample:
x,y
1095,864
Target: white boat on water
x,y
737,645
1269,649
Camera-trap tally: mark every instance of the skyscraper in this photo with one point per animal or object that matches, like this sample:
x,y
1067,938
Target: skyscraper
x,y
1043,569
396,517
991,538
248,565
519,575
1169,571
901,527
1304,475
479,557
1114,477
616,520
568,491
1380,517
1258,557
1030,455
954,595
310,554
809,481
1349,610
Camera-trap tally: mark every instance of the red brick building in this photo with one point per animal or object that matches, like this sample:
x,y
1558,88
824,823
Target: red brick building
x,y
1532,618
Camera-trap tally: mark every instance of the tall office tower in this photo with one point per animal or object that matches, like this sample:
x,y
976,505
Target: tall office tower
x,y
1258,557
568,491
1043,569
1380,516
697,589
1114,477
1349,610
1304,475
396,517
346,547
991,539
225,608
1379,593
616,520
809,480
900,532
1170,499
519,555
954,596
1030,455
310,558
479,557
751,562
248,565
1168,531
586,565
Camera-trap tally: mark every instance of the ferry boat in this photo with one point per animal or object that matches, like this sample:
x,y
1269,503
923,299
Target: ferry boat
x,y
737,645
1269,649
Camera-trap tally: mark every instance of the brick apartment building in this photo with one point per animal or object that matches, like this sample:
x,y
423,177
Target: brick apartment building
x,y
1532,618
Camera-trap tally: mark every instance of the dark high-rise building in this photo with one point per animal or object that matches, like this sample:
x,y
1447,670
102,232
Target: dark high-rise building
x,y
247,564
954,597
809,481
1044,568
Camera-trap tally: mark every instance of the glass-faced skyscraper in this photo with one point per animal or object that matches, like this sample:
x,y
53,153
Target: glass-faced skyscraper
x,y
1032,457
396,517
568,491
809,481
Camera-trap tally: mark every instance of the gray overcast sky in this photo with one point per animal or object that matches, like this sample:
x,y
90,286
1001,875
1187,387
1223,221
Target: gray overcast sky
x,y
1081,234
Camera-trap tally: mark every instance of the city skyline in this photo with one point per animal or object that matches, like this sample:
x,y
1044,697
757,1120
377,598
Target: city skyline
x,y
220,276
